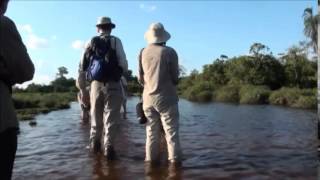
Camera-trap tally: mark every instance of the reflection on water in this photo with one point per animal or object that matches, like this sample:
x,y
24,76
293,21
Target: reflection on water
x,y
219,141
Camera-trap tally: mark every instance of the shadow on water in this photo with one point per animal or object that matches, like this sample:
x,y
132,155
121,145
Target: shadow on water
x,y
219,141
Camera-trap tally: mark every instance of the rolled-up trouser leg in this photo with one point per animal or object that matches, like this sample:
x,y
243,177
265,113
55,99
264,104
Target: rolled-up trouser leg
x,y
97,105
170,122
111,118
152,134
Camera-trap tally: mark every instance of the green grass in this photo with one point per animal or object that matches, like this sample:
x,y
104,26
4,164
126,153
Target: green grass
x,y
228,93
201,92
250,94
295,97
28,105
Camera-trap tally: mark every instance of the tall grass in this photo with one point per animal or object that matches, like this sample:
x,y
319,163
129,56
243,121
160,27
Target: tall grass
x,y
228,93
200,92
250,94
295,97
30,104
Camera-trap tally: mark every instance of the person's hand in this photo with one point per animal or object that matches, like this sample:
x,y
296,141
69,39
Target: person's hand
x,y
85,98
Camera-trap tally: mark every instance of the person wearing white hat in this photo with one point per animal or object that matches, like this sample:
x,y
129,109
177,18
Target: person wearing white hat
x,y
158,73
105,97
16,67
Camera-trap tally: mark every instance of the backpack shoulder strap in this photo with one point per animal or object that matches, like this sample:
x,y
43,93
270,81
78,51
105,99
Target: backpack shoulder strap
x,y
115,42
113,49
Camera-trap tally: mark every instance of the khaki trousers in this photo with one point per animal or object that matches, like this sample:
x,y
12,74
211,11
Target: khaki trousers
x,y
169,117
105,103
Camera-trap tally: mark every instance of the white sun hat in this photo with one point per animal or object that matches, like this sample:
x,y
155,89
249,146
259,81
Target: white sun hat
x,y
105,21
156,34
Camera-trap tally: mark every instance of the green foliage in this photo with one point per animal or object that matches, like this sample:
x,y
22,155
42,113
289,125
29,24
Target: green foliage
x,y
39,88
201,91
228,93
250,94
306,102
215,72
251,79
300,72
265,70
184,84
30,104
63,84
204,96
258,49
294,97
284,96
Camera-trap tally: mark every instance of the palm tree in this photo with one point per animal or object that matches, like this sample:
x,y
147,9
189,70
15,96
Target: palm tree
x,y
311,27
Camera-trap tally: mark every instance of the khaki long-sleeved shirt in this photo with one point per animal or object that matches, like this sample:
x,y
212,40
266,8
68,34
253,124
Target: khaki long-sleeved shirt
x,y
159,73
84,62
15,67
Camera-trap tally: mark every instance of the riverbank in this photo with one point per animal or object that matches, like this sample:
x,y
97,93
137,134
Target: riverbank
x,y
28,105
249,94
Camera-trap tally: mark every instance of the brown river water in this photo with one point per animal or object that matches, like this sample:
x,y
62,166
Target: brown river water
x,y
218,140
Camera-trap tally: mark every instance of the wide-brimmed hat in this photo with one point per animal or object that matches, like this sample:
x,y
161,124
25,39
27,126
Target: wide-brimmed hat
x,y
105,21
156,34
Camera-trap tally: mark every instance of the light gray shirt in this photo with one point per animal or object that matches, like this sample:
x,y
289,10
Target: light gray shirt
x,y
159,72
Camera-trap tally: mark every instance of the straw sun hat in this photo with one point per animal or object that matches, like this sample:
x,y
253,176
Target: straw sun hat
x,y
105,21
156,34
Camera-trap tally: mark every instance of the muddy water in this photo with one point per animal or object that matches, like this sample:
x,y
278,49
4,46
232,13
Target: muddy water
x,y
219,141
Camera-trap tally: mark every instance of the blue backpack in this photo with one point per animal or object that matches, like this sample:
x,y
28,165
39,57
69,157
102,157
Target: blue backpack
x,y
103,63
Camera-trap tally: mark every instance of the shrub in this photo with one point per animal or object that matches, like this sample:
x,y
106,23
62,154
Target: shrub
x,y
229,93
204,96
284,96
26,100
30,104
48,101
250,94
306,102
198,92
294,97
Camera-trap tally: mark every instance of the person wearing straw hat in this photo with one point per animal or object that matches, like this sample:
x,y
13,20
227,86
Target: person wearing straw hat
x,y
16,67
158,73
105,97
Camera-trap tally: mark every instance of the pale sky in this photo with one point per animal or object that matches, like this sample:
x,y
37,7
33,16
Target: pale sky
x,y
55,31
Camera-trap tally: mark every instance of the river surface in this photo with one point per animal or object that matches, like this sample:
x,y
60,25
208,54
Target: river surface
x,y
218,140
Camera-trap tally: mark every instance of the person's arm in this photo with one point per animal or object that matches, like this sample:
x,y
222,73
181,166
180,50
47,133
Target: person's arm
x,y
81,81
174,67
121,56
140,69
83,65
15,57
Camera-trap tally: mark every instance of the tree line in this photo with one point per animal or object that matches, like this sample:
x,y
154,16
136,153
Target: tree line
x,y
288,79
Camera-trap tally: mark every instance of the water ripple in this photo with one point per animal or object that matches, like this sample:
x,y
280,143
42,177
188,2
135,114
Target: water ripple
x,y
219,141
